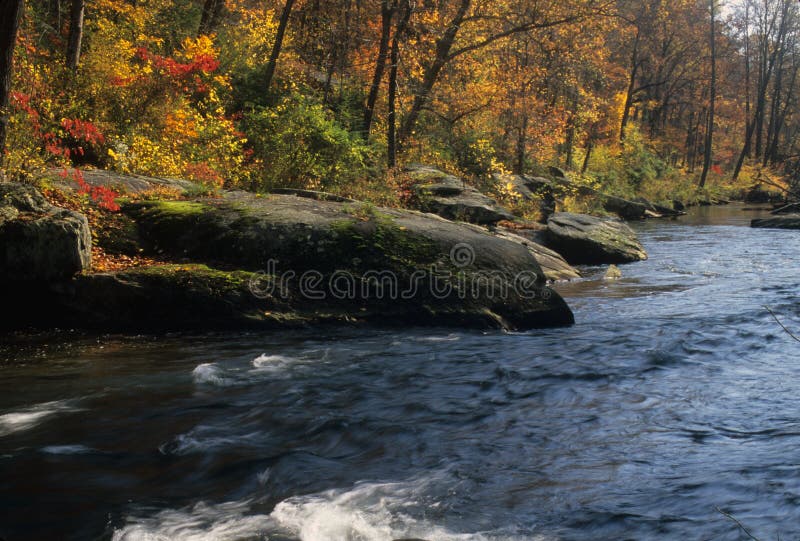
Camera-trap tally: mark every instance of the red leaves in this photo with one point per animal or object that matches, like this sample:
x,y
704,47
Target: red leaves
x,y
202,63
82,130
55,140
102,195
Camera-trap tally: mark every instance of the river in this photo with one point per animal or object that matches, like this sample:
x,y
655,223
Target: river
x,y
674,397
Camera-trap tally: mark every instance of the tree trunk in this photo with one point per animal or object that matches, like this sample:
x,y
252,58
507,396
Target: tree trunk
x,y
283,23
443,47
631,86
522,146
75,34
780,120
587,157
712,99
746,68
10,15
391,130
570,142
380,66
209,20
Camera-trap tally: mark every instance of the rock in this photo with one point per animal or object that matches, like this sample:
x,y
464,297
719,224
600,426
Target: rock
x,y
612,273
658,211
125,184
637,209
627,210
312,194
555,267
784,221
40,242
449,197
584,239
327,261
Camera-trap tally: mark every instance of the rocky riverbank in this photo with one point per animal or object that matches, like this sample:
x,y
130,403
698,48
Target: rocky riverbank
x,y
241,260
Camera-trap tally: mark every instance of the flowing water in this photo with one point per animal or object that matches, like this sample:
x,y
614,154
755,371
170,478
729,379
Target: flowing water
x,y
676,393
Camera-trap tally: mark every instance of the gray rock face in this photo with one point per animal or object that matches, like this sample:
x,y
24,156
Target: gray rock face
x,y
583,239
446,273
555,267
126,184
449,197
40,242
783,221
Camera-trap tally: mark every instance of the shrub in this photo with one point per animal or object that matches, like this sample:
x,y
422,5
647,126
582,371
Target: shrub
x,y
297,144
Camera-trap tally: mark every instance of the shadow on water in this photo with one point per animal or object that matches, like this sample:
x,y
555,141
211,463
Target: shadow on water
x,y
674,394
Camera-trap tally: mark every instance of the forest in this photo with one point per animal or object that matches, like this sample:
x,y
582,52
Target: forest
x,y
656,97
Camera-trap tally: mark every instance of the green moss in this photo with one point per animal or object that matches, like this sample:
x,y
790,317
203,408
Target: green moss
x,y
182,208
196,276
428,176
380,243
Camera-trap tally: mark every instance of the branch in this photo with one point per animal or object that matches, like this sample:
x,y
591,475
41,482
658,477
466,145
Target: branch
x,y
781,324
745,530
524,27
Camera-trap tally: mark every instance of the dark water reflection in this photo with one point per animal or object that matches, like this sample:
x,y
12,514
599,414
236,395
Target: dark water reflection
x,y
675,393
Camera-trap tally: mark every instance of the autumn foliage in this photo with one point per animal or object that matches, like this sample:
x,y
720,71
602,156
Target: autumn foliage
x,y
616,91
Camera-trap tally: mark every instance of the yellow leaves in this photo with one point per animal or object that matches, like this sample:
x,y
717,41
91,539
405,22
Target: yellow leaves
x,y
193,48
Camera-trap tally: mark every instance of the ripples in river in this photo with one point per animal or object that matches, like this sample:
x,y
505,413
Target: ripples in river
x,y
674,394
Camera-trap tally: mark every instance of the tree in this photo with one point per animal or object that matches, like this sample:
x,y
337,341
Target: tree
x,y
209,19
10,14
406,10
283,23
75,34
712,90
485,25
387,12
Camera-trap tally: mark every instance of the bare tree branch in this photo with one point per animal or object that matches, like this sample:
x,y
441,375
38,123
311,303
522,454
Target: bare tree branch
x,y
781,324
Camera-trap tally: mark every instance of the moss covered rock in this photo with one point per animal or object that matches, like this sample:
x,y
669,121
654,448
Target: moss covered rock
x,y
591,240
314,260
451,198
39,242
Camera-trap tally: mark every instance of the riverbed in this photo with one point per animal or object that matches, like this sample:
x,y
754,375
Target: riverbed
x,y
674,399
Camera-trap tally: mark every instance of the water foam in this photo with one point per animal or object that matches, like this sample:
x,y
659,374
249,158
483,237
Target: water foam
x,y
211,374
67,450
203,522
273,362
369,512
26,419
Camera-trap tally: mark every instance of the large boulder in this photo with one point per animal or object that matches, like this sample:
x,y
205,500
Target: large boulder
x,y
783,221
124,184
450,197
554,266
38,241
304,260
592,240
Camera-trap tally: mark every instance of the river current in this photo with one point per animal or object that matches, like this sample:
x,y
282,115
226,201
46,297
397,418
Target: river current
x,y
673,401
